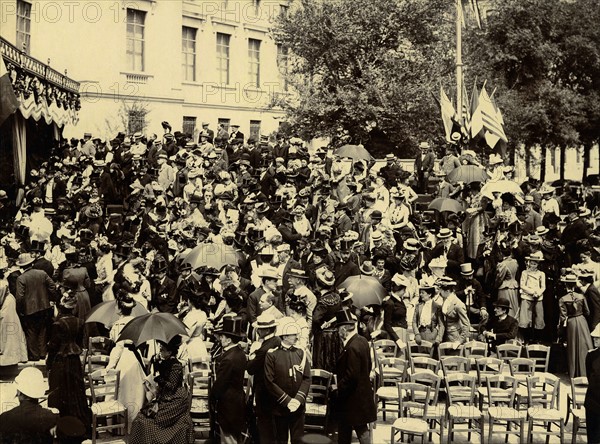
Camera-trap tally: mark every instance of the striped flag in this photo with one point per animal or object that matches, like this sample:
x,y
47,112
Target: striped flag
x,y
466,110
476,116
492,120
476,11
448,113
8,100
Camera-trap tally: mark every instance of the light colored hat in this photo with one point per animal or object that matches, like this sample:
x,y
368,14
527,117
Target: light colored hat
x,y
427,282
287,326
30,382
537,256
400,280
25,259
466,269
584,212
495,159
424,145
268,273
376,235
528,199
438,262
283,247
446,281
546,189
444,233
264,320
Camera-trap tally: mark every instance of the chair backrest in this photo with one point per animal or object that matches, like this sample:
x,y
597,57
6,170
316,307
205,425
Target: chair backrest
x,y
507,352
425,349
424,363
487,367
579,388
413,399
99,345
454,364
543,390
460,388
447,349
385,348
392,370
96,362
501,390
522,366
433,380
320,384
540,354
104,383
473,350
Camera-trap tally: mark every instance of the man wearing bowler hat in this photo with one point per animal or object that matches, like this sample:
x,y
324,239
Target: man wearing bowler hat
x,y
502,327
355,401
287,378
228,389
265,327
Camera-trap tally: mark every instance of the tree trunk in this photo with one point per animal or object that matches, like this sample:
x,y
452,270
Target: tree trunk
x,y
586,161
527,161
543,165
563,158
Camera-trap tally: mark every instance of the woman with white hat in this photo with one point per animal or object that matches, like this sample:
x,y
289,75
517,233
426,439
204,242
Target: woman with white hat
x,y
13,345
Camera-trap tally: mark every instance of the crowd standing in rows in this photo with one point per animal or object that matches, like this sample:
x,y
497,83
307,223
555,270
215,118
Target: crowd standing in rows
x,y
117,220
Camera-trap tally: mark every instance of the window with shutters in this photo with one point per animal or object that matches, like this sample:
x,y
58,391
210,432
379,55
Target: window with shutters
x,y
135,39
188,44
24,26
223,57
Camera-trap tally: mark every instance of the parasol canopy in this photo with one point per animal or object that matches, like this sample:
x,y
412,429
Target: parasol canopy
x,y
107,313
501,186
467,174
153,326
213,255
442,204
356,152
366,290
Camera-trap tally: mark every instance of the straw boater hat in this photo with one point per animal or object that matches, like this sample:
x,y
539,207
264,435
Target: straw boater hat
x,y
264,321
25,259
268,273
446,282
444,233
297,273
569,279
325,276
537,256
541,230
546,189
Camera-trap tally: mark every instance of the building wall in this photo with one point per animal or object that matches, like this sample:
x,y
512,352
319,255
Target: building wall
x,y
88,38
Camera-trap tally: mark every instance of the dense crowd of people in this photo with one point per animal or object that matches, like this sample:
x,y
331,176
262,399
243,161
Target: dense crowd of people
x,y
116,221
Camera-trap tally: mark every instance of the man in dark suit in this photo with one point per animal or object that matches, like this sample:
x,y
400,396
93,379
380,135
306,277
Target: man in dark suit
x,y
206,129
41,263
592,396
592,296
236,134
164,289
424,163
228,389
355,401
288,263
345,267
287,378
29,422
264,326
578,229
35,289
450,250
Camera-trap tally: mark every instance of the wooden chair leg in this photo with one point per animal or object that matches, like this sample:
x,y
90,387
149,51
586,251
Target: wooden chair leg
x,y
490,431
508,424
94,424
481,429
470,426
548,429
450,430
574,431
521,431
562,430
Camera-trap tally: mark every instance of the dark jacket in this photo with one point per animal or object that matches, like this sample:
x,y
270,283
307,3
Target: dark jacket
x,y
256,367
592,295
228,390
356,405
394,315
28,423
44,264
164,296
35,290
279,365
592,369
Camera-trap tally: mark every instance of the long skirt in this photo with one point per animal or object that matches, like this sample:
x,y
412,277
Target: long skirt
x,y
579,342
172,423
327,346
132,393
67,389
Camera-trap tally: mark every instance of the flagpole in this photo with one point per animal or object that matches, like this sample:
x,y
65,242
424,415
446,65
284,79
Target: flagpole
x,y
459,64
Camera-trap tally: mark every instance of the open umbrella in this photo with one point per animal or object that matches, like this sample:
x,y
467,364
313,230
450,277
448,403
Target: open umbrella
x,y
366,290
107,313
500,186
213,255
467,174
446,204
158,326
357,152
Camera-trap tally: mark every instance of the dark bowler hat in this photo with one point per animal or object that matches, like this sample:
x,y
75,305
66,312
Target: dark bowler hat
x,y
502,302
38,246
230,326
123,250
345,317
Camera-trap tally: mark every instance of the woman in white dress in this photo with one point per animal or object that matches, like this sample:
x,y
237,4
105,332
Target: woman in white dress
x,y
123,357
104,270
195,321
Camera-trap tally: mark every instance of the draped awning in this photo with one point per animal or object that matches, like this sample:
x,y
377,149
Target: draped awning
x,y
41,91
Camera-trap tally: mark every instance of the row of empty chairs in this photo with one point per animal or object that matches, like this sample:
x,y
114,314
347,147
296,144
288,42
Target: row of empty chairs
x,y
514,386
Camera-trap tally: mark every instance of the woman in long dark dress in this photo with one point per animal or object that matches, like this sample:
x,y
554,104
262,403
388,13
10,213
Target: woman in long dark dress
x,y
327,344
573,311
171,421
65,374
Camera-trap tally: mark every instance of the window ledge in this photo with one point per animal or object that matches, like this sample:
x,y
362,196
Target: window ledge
x,y
191,83
137,77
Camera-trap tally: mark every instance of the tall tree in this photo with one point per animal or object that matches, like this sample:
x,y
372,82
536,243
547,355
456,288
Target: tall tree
x,y
361,66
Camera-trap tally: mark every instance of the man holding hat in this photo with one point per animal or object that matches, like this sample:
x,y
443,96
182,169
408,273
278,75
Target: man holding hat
x,y
228,387
470,291
287,378
35,290
502,327
265,327
355,401
29,422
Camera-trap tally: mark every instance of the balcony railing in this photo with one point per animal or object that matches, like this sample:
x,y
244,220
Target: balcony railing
x,y
33,66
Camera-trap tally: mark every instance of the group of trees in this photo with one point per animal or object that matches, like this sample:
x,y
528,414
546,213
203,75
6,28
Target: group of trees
x,y
366,68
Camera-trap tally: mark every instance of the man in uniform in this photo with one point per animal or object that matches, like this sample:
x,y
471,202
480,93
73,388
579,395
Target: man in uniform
x,y
206,129
355,394
287,378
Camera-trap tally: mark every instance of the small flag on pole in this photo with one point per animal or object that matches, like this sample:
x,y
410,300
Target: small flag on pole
x,y
448,113
492,119
476,116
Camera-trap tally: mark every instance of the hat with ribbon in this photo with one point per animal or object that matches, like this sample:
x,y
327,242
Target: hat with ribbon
x,y
265,320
